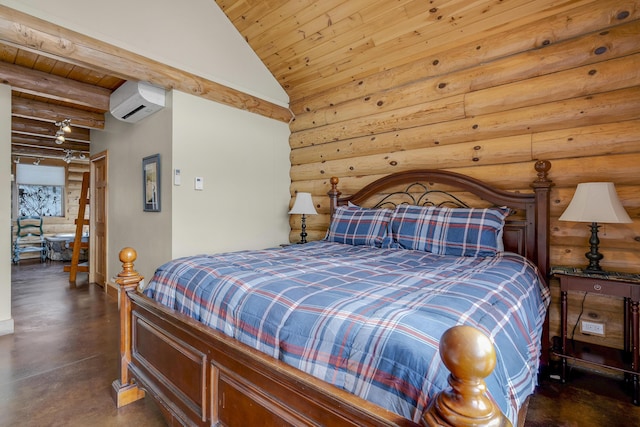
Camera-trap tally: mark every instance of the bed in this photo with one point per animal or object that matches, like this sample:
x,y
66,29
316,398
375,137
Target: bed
x,y
335,332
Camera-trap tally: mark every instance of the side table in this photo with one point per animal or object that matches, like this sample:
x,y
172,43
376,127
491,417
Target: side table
x,y
622,285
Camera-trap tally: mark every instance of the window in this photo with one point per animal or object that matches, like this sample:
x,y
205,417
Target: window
x,y
40,190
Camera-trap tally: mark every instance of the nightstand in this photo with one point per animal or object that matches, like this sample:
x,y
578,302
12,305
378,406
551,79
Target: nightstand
x,y
622,285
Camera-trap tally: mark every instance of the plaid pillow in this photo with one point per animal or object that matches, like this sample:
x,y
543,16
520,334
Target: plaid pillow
x,y
358,226
448,231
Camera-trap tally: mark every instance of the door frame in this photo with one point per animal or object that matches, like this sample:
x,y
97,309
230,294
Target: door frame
x,y
103,155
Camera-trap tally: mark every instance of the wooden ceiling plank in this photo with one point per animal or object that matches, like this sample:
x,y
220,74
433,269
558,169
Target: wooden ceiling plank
x,y
47,137
110,82
365,65
32,33
304,54
324,56
234,9
493,73
26,59
298,47
44,84
85,75
406,45
257,10
450,59
44,153
20,150
278,14
37,110
8,53
34,142
301,25
27,126
44,63
428,22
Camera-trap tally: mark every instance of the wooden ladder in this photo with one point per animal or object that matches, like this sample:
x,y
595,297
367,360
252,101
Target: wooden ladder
x,y
77,243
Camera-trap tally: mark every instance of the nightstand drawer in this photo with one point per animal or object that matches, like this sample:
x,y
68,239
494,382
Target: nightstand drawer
x,y
595,285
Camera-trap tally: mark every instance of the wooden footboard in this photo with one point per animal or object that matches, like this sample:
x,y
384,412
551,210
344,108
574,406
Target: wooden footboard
x,y
201,377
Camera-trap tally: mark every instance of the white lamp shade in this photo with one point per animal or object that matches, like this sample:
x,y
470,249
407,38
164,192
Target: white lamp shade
x,y
303,205
596,202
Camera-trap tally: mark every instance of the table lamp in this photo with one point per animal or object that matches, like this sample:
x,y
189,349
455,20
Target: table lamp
x,y
595,202
303,205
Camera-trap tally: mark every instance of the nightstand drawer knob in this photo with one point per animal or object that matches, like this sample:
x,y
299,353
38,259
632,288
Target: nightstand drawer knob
x,y
597,287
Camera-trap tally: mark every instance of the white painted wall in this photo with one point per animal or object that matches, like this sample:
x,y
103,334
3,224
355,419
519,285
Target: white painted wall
x,y
243,157
244,160
149,233
6,321
193,35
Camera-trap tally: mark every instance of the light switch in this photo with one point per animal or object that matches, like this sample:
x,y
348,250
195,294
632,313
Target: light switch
x,y
199,183
176,177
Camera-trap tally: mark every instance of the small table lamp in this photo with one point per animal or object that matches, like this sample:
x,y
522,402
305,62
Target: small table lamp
x,y
595,202
303,205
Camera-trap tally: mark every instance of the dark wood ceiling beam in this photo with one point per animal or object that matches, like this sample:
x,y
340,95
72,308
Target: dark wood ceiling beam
x,y
31,109
25,31
37,83
35,142
17,150
24,126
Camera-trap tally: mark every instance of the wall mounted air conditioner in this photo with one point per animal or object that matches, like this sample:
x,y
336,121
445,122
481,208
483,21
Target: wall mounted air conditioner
x,y
133,101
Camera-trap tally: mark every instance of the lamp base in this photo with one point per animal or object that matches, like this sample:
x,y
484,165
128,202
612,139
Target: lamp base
x,y
593,255
303,233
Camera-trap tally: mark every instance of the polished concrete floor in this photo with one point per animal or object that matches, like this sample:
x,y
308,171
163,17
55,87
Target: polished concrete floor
x,y
58,366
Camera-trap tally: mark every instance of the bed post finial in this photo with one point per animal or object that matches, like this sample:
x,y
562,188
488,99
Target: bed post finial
x,y
123,390
334,193
542,167
127,258
470,357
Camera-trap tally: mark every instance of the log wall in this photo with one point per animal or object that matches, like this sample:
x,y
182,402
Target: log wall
x,y
565,90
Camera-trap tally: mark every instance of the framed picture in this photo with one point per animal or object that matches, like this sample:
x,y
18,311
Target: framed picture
x,y
151,183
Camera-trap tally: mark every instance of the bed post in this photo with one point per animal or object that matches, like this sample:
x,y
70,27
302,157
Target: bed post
x,y
334,194
470,357
542,188
124,391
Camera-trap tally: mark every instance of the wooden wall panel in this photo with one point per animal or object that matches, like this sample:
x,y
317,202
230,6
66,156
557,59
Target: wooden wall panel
x,y
489,108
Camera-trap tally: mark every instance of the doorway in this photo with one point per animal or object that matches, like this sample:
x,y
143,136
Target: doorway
x,y
98,219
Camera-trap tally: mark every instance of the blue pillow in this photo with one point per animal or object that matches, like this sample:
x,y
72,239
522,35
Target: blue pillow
x,y
357,226
448,231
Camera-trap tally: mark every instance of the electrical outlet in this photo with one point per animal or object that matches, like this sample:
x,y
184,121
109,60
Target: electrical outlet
x,y
592,328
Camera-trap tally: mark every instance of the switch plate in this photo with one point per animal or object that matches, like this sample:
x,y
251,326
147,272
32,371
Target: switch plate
x,y
592,328
199,183
176,177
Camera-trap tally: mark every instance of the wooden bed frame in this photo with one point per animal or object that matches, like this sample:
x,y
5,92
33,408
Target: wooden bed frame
x,y
202,377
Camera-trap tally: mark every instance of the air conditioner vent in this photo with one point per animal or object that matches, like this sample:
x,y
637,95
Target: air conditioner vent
x,y
134,101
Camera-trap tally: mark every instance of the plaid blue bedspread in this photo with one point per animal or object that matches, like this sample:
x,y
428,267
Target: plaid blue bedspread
x,y
367,320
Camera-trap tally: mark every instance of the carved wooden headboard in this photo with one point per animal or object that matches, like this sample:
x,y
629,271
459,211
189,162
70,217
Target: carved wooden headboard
x,y
526,230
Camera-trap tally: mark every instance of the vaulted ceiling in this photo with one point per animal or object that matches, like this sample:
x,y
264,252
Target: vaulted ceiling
x,y
309,46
